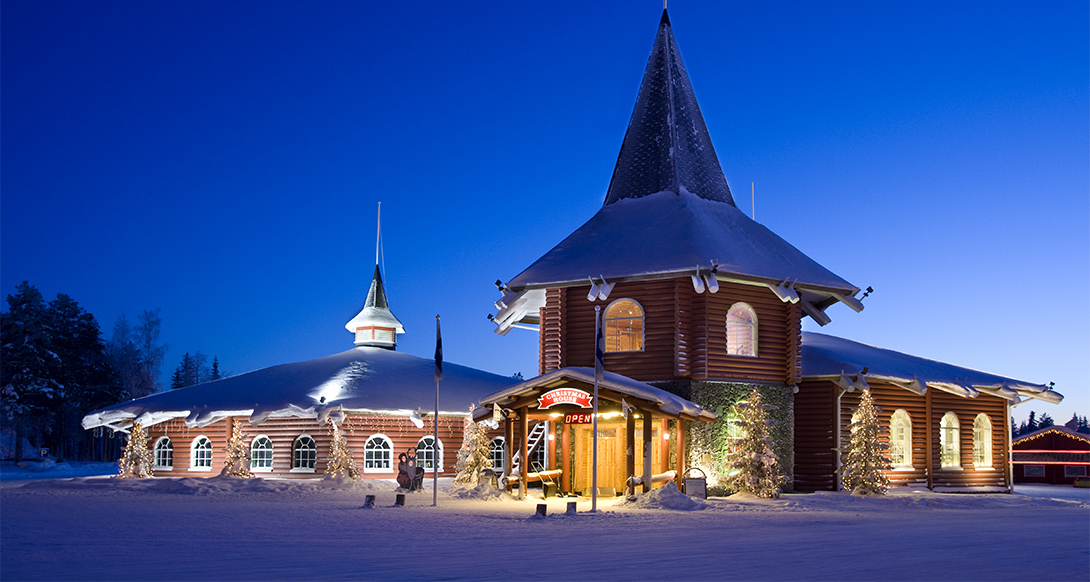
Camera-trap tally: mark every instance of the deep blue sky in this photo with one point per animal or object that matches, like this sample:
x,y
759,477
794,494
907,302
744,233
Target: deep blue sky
x,y
222,161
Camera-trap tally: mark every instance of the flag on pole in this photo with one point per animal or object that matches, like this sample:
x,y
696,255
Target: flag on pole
x,y
599,351
438,351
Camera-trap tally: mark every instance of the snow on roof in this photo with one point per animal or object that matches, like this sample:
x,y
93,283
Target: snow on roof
x,y
363,379
1055,428
830,356
669,404
376,310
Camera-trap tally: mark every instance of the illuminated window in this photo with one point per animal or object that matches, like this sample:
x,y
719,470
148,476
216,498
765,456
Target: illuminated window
x,y
982,441
949,445
1033,470
200,454
735,432
261,454
497,453
900,440
378,454
425,453
304,454
164,454
741,330
623,326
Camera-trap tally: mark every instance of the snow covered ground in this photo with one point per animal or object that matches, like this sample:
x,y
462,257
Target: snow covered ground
x,y
94,528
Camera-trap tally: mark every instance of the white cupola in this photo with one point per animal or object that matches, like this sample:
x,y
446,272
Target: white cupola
x,y
375,325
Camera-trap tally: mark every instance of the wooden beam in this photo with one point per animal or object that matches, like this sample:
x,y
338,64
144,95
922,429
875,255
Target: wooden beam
x,y
664,445
565,457
646,451
630,454
680,446
929,436
509,448
524,452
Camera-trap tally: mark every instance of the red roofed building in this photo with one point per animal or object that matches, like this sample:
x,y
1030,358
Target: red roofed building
x,y
1053,455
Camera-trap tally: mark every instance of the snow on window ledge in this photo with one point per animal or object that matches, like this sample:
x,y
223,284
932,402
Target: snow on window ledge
x,y
985,468
201,469
301,470
154,468
903,468
261,469
955,468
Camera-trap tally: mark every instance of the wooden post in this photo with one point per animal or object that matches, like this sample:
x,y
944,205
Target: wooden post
x,y
646,451
930,466
630,454
1008,471
565,458
664,445
524,452
508,449
680,446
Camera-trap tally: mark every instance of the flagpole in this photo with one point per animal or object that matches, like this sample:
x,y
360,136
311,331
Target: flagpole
x,y
435,420
597,373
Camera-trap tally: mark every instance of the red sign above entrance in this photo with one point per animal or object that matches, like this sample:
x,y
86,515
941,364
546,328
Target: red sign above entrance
x,y
564,396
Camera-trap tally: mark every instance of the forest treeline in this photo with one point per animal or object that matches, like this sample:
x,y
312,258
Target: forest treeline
x,y
55,367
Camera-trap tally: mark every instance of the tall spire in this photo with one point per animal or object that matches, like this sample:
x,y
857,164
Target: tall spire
x,y
667,146
376,325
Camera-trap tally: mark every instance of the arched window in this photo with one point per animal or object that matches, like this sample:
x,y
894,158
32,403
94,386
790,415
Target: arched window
x,y
497,453
623,325
304,454
200,454
949,438
982,442
261,454
378,454
425,453
900,440
164,455
741,330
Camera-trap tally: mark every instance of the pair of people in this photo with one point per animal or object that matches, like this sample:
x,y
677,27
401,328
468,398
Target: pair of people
x,y
409,475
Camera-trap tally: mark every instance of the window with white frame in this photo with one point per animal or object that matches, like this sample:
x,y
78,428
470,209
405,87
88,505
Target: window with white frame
x,y
425,454
623,326
741,330
1074,470
261,454
164,454
900,439
1033,470
982,441
378,454
498,456
200,454
304,453
949,441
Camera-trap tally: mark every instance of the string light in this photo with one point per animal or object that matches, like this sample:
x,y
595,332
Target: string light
x,y
136,461
340,456
864,461
754,466
238,456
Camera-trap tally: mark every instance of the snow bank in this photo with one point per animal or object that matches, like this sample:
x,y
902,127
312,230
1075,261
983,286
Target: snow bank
x,y
480,492
665,497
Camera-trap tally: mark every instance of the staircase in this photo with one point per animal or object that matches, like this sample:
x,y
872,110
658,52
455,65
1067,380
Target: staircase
x,y
537,434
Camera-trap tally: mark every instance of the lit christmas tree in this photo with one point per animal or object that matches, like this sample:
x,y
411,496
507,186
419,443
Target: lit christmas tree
x,y
137,459
863,461
238,454
476,452
340,456
758,469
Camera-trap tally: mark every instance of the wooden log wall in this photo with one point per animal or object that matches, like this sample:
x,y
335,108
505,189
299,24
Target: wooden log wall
x,y
283,432
684,333
815,436
890,399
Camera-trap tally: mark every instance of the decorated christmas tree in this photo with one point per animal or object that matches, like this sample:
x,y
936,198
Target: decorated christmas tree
x,y
238,455
754,466
340,456
137,459
476,452
863,461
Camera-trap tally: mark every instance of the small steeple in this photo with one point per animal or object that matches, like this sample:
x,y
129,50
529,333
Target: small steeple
x,y
667,146
376,325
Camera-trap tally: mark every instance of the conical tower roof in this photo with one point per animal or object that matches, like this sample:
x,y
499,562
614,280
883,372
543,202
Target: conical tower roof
x,y
667,146
669,213
375,314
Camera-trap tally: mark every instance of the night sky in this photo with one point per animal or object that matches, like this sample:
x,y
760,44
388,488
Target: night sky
x,y
224,161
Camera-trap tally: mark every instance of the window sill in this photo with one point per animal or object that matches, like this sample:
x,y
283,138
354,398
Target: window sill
x,y
200,469
903,468
378,470
951,469
985,468
162,468
261,470
298,470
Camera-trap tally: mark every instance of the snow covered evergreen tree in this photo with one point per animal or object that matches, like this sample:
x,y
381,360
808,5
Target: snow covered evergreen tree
x,y
758,468
137,459
863,461
340,456
238,454
476,452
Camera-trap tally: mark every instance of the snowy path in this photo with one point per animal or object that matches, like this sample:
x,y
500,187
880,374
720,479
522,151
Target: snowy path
x,y
97,529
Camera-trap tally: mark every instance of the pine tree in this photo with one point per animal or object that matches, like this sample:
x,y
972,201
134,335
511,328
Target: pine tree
x,y
340,456
28,368
238,454
215,375
136,461
864,461
758,469
1031,423
476,452
1045,422
124,357
1084,426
